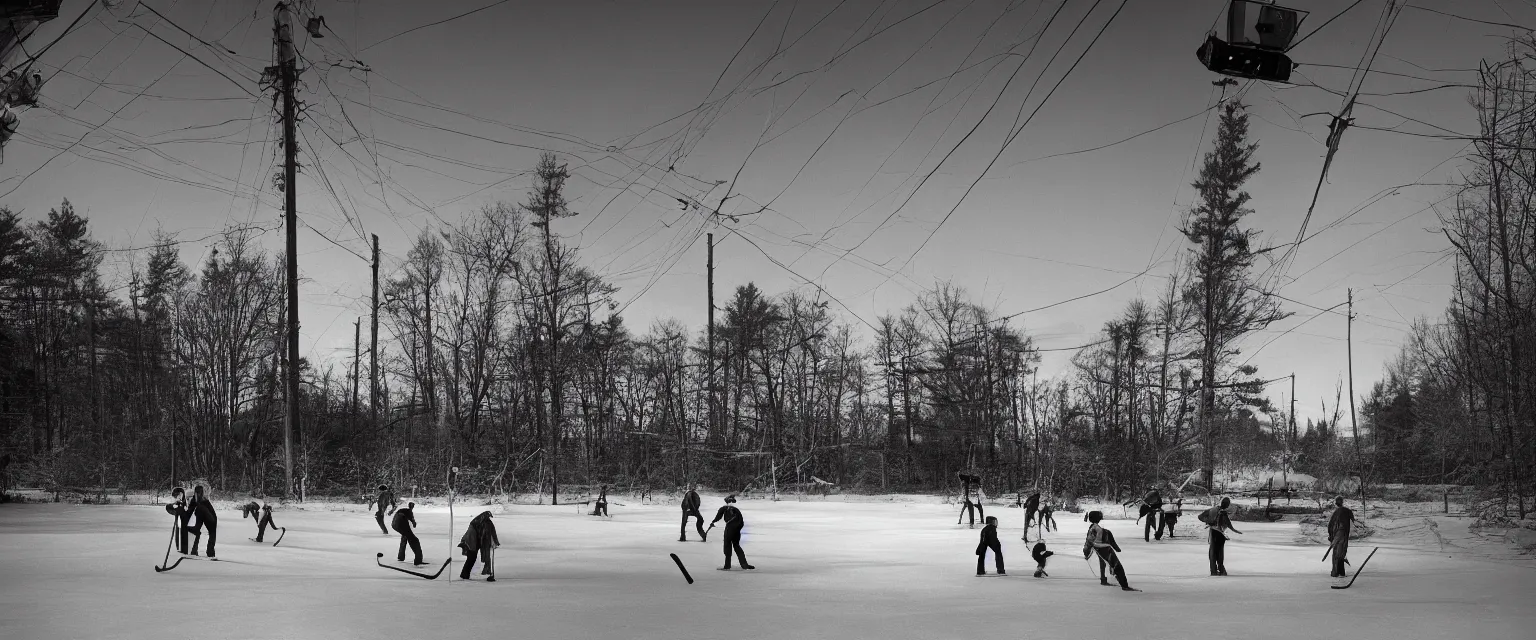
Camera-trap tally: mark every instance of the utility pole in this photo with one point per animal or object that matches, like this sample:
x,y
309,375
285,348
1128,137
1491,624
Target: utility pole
x,y
711,366
357,358
288,67
1349,348
1290,438
373,342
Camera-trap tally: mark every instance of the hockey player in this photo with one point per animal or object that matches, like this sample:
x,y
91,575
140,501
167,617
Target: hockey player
x,y
733,526
1217,522
1171,513
386,499
972,509
479,539
601,507
1151,509
1047,516
989,541
404,521
1102,542
183,513
1031,509
1339,525
202,509
1040,555
262,514
691,510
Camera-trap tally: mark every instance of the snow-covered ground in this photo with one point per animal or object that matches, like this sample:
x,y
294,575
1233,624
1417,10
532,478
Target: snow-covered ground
x,y
825,569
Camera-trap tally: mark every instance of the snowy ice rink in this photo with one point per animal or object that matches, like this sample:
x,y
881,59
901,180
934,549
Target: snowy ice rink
x,y
824,570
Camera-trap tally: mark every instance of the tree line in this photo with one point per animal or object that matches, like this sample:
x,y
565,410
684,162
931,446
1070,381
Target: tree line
x,y
502,352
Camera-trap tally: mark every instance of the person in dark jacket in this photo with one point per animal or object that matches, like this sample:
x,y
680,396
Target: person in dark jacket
x,y
1339,525
479,539
989,541
733,526
691,510
1171,513
601,507
183,513
1152,509
1102,542
386,499
1041,555
972,509
1031,510
1047,516
262,514
1217,522
202,508
404,521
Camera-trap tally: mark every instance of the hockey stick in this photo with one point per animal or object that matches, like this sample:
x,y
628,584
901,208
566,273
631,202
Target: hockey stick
x,y
1357,572
166,563
682,568
280,535
419,575
492,565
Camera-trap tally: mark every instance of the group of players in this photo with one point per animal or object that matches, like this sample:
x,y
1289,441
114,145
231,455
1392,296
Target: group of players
x,y
195,514
1159,516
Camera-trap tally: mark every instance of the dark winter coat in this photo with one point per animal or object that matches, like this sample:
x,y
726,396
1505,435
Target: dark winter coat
x,y
204,510
732,516
386,497
1153,499
1099,538
1339,525
480,537
403,516
1032,502
181,510
988,539
1040,554
690,501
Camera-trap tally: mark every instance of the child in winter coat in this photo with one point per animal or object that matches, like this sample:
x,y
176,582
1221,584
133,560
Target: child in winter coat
x,y
1040,555
261,514
1102,542
989,541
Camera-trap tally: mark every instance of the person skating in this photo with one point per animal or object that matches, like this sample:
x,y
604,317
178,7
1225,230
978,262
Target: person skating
x,y
1040,555
1152,509
386,498
600,508
183,513
403,523
1047,516
1217,522
1171,513
1102,542
971,509
202,509
479,539
1031,510
1339,525
733,526
691,510
262,514
989,541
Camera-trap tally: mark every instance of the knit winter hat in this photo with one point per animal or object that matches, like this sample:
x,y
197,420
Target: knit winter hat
x,y
1225,502
730,498
1095,516
991,519
410,505
383,487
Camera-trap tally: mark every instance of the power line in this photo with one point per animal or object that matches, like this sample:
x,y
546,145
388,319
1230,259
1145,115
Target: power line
x,y
433,24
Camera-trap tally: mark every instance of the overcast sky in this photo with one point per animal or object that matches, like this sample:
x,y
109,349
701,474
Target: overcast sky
x,y
821,117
